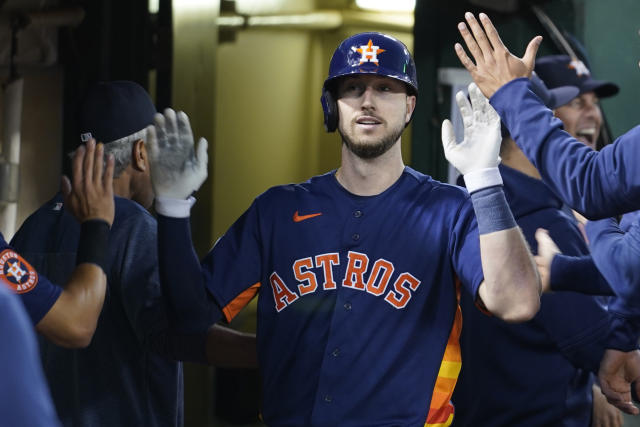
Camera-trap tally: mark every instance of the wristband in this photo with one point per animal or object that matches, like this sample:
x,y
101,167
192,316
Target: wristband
x,y
492,211
174,208
482,178
93,245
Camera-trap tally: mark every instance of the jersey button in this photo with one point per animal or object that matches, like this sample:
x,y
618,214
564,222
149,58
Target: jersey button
x,y
347,306
357,213
328,398
336,352
356,237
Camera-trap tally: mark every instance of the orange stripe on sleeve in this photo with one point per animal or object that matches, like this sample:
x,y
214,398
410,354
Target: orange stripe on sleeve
x,y
441,409
239,302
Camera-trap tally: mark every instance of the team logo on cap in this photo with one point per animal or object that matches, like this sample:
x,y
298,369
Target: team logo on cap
x,y
369,52
579,67
16,272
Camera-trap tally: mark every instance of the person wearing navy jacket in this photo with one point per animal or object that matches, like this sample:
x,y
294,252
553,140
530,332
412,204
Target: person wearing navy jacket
x,y
538,373
598,184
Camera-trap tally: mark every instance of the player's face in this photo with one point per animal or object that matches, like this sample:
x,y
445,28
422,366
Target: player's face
x,y
582,118
373,111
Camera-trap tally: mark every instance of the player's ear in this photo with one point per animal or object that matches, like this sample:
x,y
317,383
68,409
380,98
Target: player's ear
x,y
139,159
411,106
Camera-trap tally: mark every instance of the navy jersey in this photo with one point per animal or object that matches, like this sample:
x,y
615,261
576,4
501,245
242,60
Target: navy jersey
x,y
536,373
598,184
118,379
24,396
37,292
357,306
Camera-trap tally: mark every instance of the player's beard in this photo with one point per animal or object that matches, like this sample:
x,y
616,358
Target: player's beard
x,y
369,150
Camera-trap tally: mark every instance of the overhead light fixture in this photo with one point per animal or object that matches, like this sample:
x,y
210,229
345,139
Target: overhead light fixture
x,y
387,6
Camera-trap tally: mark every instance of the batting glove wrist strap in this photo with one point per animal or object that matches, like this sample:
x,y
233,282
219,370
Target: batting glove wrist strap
x,y
93,244
174,208
492,211
482,178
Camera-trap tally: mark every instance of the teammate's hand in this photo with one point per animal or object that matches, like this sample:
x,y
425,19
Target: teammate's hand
x,y
494,64
90,193
604,414
618,370
481,145
177,169
547,249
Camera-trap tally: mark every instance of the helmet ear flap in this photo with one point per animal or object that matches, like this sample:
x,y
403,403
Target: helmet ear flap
x,y
330,109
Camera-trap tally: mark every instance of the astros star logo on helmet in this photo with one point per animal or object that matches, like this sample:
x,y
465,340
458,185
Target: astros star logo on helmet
x,y
369,53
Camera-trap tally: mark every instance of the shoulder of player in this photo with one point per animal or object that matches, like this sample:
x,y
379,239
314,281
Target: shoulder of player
x,y
428,185
130,215
286,191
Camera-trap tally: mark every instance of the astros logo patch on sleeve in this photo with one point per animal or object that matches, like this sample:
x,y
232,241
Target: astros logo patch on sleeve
x,y
16,272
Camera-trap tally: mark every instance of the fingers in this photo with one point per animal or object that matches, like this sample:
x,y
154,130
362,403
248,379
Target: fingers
x,y
201,154
464,59
184,127
107,177
480,36
65,186
491,32
529,57
478,100
171,125
448,136
98,164
464,107
76,166
87,167
158,137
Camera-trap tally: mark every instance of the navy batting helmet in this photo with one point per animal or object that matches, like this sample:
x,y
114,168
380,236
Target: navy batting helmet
x,y
367,53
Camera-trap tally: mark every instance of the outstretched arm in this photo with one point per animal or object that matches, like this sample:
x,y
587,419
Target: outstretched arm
x,y
597,184
72,319
511,289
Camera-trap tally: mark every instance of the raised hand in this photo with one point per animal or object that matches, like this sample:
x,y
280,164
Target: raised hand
x,y
547,249
480,148
90,193
494,65
177,169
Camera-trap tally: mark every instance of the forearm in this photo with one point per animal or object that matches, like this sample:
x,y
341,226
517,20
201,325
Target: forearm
x,y
191,309
228,348
511,287
72,320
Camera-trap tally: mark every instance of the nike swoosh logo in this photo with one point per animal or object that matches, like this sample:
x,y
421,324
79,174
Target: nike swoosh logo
x,y
299,218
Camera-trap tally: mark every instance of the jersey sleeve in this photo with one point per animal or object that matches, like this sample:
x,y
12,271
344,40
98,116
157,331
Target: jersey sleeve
x,y
597,184
616,255
465,249
38,293
25,395
578,274
233,267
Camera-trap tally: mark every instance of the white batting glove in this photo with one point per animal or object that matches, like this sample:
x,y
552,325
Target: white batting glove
x,y
477,156
177,170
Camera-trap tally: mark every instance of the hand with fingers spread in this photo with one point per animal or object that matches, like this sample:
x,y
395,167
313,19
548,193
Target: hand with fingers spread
x,y
479,152
90,193
618,372
494,65
547,249
177,168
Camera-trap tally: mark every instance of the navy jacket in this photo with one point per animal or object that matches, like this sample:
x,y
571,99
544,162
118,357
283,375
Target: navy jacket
x,y
535,373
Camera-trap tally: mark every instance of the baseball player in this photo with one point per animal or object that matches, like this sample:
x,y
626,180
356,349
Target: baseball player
x,y
25,396
539,372
133,349
356,270
68,315
597,184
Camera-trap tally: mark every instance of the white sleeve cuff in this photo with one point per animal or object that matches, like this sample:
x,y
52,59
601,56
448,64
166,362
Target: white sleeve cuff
x,y
482,178
174,208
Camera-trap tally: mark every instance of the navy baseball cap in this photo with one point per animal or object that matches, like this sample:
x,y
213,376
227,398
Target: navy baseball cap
x,y
561,70
552,98
113,110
